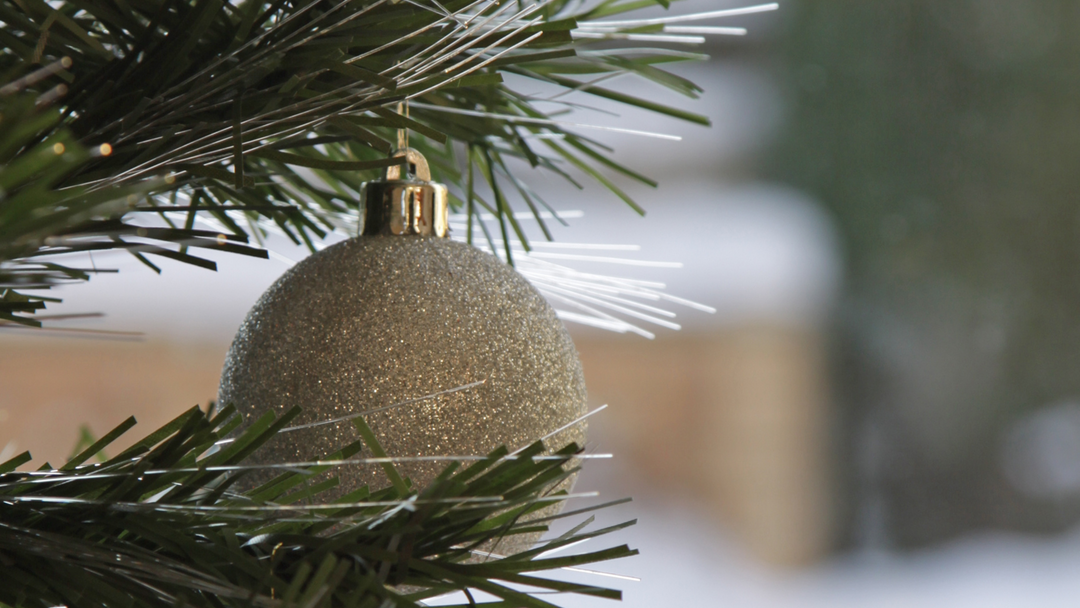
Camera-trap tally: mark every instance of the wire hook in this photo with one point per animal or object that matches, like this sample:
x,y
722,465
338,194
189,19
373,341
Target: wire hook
x,y
403,132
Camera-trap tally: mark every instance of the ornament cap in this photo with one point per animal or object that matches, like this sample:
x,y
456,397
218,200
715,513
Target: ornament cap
x,y
405,205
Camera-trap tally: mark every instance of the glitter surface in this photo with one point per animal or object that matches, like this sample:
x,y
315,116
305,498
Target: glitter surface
x,y
379,320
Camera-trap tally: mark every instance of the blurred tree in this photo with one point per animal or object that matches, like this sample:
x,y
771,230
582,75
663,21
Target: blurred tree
x,y
943,135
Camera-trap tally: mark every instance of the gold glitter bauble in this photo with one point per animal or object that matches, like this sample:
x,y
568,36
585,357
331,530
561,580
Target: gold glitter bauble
x,y
380,320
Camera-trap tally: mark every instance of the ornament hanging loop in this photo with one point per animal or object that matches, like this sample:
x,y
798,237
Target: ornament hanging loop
x,y
405,202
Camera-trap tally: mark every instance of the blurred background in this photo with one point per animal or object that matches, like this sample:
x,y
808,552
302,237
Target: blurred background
x,y
885,408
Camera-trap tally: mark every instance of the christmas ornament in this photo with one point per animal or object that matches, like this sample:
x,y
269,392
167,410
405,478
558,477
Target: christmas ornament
x,y
376,323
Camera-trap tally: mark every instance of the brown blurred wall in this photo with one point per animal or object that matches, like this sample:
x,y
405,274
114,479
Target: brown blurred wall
x,y
736,419
52,386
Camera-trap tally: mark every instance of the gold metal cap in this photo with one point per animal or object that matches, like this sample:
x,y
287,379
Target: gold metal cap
x,y
409,205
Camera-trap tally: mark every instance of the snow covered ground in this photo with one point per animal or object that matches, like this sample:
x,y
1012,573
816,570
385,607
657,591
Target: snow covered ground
x,y
687,561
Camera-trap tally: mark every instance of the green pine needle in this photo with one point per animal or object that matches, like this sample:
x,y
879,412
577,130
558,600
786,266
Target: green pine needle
x,y
242,115
164,524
